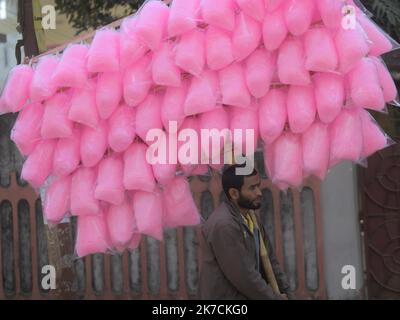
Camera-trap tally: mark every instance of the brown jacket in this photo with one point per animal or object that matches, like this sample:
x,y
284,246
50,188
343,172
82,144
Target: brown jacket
x,y
229,268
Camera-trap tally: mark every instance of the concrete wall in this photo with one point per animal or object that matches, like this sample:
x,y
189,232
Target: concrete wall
x,y
341,230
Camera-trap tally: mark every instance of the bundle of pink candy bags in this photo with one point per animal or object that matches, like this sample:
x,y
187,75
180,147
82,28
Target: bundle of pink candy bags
x,y
302,74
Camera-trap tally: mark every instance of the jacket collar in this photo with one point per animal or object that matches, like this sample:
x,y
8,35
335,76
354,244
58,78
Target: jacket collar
x,y
235,212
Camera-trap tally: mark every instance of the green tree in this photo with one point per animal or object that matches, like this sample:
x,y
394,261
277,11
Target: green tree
x,y
386,14
92,14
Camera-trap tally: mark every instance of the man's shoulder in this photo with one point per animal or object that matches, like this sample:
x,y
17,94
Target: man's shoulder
x,y
221,217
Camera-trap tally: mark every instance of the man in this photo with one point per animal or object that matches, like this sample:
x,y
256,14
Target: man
x,y
238,261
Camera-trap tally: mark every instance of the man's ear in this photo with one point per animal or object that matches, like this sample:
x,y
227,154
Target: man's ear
x,y
234,193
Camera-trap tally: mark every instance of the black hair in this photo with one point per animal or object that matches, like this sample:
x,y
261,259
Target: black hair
x,y
232,180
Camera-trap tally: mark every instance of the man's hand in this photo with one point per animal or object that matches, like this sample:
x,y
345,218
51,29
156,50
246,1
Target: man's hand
x,y
284,296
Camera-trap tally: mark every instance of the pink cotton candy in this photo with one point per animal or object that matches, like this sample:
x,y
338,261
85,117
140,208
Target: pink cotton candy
x,y
268,153
260,67
202,94
331,12
152,23
385,79
316,148
253,8
71,71
148,115
219,14
42,86
180,208
26,131
3,107
55,119
288,160
121,223
274,30
219,51
233,86
245,120
381,44
93,144
190,53
57,200
109,187
299,15
374,138
83,108
67,154
366,91
83,185
291,63
272,5
217,124
16,90
92,235
183,16
173,106
148,210
246,36
165,164
272,115
346,137
164,70
135,241
189,148
121,131
320,50
301,108
131,49
351,46
108,93
103,54
38,166
137,82
138,174
329,95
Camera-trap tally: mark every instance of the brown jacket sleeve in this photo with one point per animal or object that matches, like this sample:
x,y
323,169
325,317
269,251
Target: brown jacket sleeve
x,y
232,256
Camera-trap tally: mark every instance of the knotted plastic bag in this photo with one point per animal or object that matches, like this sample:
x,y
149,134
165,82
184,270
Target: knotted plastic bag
x,y
329,95
148,210
38,166
190,53
55,122
71,71
183,16
233,86
42,87
92,236
122,130
83,184
67,154
26,131
57,200
138,174
152,23
109,187
272,115
108,93
93,144
301,108
180,209
16,90
103,55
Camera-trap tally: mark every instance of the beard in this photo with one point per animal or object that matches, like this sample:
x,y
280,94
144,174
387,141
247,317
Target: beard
x,y
248,204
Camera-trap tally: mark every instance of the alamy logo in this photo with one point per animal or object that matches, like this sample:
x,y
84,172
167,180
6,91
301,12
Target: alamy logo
x,y
349,280
213,144
48,17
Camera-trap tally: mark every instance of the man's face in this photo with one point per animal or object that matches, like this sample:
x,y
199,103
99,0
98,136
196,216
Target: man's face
x,y
250,194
